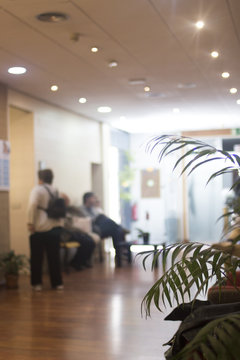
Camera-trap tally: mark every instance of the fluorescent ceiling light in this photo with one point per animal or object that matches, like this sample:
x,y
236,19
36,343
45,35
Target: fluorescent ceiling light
x,y
238,101
82,100
104,109
233,90
199,24
94,49
225,75
54,88
214,54
17,70
113,64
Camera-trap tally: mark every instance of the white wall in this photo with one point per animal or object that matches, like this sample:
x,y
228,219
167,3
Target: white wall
x,y
65,142
169,204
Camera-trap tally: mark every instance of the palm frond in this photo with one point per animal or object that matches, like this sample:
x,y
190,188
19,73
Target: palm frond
x,y
197,153
218,340
193,265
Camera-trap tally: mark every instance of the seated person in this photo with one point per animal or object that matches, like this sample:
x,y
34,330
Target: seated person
x,y
84,254
101,224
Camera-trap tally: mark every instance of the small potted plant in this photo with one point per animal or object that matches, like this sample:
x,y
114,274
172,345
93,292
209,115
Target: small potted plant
x,y
144,235
11,264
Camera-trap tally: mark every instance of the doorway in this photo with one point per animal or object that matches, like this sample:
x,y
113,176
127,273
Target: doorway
x,y
22,175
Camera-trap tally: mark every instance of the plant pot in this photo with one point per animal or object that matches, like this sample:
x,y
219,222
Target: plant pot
x,y
11,281
146,237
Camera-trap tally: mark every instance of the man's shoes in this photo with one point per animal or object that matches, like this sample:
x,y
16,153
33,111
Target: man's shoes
x,y
88,265
59,287
76,267
37,287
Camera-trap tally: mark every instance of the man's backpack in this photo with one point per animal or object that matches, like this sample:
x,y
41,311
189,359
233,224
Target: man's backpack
x,y
56,207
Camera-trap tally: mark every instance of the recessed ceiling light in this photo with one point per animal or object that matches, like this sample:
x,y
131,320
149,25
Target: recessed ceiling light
x,y
82,100
147,88
53,17
94,49
54,88
238,101
17,70
233,90
214,54
199,24
113,64
104,109
176,110
225,75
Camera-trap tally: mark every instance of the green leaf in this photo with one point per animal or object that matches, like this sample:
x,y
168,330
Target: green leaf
x,y
212,340
220,172
204,162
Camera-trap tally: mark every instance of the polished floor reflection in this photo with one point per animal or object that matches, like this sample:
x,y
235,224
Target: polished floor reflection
x,y
96,317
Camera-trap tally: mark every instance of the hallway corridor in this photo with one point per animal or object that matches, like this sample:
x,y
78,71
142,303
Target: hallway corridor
x,y
96,317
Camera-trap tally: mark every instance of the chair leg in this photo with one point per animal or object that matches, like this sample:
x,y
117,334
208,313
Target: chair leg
x,y
129,255
118,256
101,258
65,261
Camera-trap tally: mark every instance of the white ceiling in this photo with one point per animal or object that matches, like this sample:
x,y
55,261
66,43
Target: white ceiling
x,y
154,40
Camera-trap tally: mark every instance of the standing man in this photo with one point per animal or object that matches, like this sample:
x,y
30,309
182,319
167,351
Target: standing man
x,y
44,232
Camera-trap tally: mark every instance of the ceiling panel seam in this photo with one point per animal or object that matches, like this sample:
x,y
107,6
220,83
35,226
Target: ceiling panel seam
x,y
108,34
184,50
46,37
233,21
25,60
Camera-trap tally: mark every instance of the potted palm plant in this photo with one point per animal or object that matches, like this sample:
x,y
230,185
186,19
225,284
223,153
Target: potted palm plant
x,y
11,265
207,331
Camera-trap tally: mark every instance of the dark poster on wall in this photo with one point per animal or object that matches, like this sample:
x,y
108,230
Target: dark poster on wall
x,y
150,183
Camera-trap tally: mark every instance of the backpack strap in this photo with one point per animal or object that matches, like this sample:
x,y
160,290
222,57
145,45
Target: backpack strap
x,y
50,193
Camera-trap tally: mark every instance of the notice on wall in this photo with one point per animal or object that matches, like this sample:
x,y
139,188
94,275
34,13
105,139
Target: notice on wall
x,y
4,165
150,181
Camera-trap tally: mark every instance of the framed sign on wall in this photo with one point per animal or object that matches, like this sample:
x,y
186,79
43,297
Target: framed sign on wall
x,y
150,183
4,165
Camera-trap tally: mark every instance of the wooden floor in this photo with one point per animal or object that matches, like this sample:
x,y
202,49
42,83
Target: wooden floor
x,y
96,317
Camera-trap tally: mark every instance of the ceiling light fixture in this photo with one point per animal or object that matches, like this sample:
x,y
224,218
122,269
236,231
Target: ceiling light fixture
x,y
54,88
82,100
104,109
186,85
147,88
94,49
225,75
199,24
238,101
137,81
53,17
233,90
214,54
113,64
17,70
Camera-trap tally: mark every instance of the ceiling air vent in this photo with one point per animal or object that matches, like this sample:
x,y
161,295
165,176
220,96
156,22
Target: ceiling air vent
x,y
137,81
53,17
